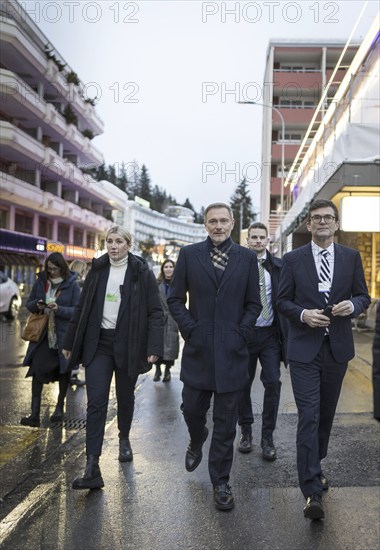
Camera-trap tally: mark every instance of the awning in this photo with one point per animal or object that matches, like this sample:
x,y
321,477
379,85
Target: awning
x,y
18,259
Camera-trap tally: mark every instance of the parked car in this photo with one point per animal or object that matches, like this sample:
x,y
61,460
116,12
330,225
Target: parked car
x,y
10,299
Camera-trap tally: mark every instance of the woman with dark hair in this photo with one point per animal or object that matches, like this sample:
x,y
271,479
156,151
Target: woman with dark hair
x,y
171,337
56,293
116,328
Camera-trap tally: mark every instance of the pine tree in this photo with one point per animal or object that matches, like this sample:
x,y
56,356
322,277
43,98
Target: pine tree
x,y
123,182
187,204
241,203
145,185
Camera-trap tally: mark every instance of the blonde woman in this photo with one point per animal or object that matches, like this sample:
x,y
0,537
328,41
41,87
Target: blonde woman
x,y
116,328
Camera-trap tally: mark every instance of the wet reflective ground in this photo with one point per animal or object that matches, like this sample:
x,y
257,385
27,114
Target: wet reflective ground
x,y
153,503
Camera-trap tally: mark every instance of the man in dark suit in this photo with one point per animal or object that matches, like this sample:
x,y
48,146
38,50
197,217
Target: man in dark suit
x,y
266,346
222,281
321,289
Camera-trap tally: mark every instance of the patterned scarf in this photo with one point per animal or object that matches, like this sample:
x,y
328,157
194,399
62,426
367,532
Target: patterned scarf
x,y
51,294
219,254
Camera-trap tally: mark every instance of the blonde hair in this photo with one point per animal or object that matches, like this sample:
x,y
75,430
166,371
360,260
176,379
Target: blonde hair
x,y
122,231
79,266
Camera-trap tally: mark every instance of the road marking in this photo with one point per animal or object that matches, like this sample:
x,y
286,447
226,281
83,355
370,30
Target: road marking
x,y
10,522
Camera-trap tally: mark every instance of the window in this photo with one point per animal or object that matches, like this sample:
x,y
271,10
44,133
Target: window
x,y
45,228
291,137
63,233
78,237
90,240
23,222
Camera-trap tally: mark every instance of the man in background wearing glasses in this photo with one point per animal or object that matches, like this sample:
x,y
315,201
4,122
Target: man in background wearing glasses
x,y
321,288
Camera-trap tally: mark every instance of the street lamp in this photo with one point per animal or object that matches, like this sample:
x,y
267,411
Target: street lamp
x,y
282,154
282,144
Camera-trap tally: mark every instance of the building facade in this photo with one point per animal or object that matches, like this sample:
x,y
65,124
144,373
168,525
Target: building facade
x,y
159,234
341,162
296,76
47,124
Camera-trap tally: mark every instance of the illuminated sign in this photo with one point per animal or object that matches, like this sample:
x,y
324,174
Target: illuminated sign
x,y
79,252
55,247
360,213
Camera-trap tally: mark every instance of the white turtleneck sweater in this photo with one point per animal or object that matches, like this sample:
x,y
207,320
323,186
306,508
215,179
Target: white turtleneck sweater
x,y
112,298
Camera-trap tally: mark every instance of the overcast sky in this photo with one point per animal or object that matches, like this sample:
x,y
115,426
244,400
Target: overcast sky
x,y
161,71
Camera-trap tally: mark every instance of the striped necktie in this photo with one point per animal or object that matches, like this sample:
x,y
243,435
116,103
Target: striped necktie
x,y
325,273
265,313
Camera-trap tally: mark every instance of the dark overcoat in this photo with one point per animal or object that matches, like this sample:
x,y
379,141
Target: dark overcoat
x,y
219,319
140,322
298,290
67,299
274,265
171,336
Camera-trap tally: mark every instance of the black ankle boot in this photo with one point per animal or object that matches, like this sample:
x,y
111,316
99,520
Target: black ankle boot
x,y
125,451
167,375
157,374
34,419
57,415
92,477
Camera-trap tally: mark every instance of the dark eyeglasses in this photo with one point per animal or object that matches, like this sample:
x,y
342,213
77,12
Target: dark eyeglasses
x,y
317,218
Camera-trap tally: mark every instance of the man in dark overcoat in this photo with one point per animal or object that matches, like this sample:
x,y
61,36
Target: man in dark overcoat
x,y
220,279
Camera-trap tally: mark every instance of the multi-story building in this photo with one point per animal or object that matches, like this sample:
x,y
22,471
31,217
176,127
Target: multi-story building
x,y
49,202
296,75
47,124
340,161
163,234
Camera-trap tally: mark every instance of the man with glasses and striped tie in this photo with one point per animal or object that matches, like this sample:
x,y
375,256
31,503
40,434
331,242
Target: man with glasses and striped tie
x,y
322,287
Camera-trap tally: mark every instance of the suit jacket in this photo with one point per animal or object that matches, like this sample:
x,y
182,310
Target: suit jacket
x,y
274,265
140,321
298,290
220,318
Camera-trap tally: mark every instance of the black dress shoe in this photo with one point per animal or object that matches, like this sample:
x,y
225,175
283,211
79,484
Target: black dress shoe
x,y
125,451
269,451
92,477
223,497
314,508
157,374
194,453
245,443
324,482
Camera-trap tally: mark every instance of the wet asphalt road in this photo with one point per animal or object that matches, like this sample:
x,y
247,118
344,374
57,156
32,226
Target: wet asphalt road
x,y
153,503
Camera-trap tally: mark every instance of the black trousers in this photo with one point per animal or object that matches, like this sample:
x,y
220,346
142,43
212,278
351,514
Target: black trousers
x,y
267,349
98,382
316,388
195,405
